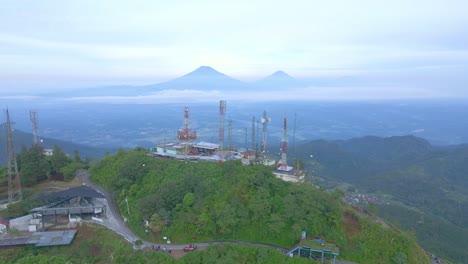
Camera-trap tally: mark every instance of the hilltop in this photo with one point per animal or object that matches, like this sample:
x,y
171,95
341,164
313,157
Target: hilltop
x,y
203,202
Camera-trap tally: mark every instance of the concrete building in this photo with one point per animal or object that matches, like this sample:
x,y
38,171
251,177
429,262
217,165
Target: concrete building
x,y
21,223
68,206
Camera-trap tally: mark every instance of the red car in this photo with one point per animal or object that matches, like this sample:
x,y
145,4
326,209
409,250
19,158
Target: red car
x,y
190,247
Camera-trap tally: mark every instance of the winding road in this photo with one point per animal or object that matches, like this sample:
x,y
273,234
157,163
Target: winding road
x,y
116,223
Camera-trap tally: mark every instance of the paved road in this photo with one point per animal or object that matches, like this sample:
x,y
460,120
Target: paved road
x,y
116,223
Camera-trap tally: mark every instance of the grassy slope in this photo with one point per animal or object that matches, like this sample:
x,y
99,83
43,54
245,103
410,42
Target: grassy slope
x,y
433,179
436,235
95,244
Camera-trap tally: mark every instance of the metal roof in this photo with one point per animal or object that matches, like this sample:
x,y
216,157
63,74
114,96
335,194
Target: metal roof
x,y
206,145
52,238
83,191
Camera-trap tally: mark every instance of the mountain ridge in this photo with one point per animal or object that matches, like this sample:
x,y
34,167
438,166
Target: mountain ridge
x,y
21,138
203,78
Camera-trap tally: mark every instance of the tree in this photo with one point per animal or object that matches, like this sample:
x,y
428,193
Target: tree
x,y
156,223
138,243
32,165
189,198
59,159
76,156
69,170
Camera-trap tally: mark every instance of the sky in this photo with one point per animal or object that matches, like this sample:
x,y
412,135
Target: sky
x,y
400,45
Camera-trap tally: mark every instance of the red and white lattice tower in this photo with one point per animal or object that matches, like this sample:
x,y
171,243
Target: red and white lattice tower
x,y
222,112
14,183
186,134
283,163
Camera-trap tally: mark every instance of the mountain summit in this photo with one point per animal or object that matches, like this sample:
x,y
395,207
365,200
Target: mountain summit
x,y
280,75
205,71
203,78
277,80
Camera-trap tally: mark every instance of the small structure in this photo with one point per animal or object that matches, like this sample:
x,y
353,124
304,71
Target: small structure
x,y
21,223
41,239
315,247
200,151
69,205
52,238
48,152
171,148
290,175
3,226
205,148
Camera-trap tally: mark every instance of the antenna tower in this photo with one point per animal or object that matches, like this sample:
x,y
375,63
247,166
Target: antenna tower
x,y
294,143
253,133
33,117
14,183
245,141
283,164
265,120
222,111
229,133
186,134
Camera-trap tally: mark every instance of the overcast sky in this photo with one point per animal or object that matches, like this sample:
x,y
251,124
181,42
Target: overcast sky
x,y
406,44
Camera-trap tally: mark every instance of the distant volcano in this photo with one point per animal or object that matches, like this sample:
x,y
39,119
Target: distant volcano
x,y
203,78
279,75
204,71
277,80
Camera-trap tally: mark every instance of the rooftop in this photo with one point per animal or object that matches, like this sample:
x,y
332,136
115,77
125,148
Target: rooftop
x,y
83,191
52,238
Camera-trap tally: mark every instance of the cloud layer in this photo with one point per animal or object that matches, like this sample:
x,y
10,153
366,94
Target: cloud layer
x,y
46,45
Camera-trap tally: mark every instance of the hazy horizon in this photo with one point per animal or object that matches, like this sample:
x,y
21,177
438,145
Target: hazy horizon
x,y
366,49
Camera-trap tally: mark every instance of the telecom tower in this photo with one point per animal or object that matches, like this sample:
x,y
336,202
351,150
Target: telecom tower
x,y
33,117
245,142
186,134
265,120
14,183
229,133
253,133
283,163
222,112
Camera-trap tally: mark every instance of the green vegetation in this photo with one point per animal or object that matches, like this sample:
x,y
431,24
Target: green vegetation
x,y
189,201
34,167
228,253
411,171
95,244
92,244
436,235
21,138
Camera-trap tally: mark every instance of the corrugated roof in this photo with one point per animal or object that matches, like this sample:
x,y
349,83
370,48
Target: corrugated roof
x,y
52,238
83,191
